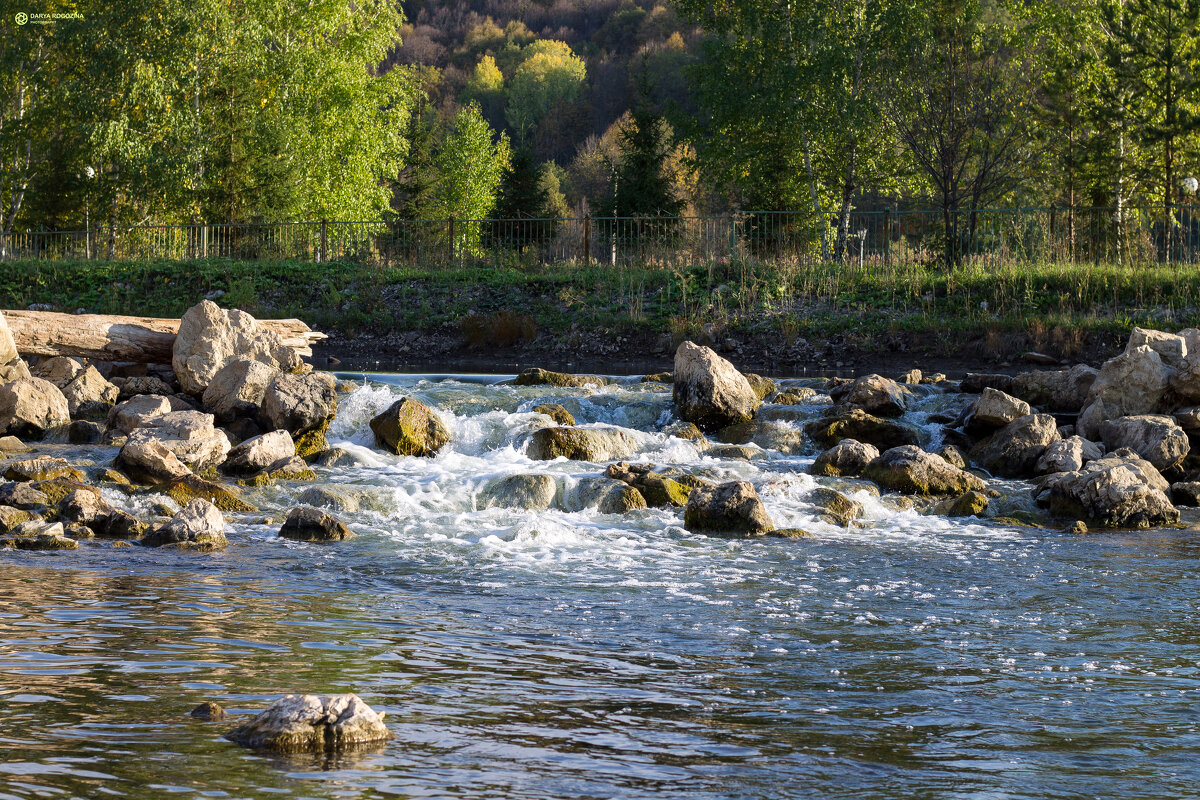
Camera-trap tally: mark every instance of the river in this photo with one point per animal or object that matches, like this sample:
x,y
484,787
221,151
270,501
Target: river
x,y
571,654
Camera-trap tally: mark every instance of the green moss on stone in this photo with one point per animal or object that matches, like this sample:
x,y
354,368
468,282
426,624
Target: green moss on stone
x,y
190,487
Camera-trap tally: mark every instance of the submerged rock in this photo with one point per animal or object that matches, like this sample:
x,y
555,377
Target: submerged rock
x,y
37,534
968,504
581,444
911,470
304,723
189,487
329,497
535,376
606,495
835,508
308,524
709,391
410,428
555,412
534,492
730,508
208,710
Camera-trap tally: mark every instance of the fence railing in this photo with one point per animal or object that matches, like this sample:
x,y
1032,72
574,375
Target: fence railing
x,y
1131,235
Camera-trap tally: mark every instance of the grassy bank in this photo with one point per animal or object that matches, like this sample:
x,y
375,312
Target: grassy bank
x,y
1058,303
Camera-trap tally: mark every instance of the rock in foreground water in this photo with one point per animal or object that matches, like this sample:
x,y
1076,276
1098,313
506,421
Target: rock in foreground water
x,y
199,526
308,524
409,428
1117,491
731,508
911,470
307,723
580,444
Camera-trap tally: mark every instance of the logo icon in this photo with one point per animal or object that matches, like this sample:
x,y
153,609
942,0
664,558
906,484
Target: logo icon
x,y
22,18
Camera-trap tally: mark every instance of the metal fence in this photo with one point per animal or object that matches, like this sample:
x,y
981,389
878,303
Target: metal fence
x,y
886,238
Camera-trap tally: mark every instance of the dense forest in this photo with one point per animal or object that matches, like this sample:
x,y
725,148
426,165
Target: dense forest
x,y
152,111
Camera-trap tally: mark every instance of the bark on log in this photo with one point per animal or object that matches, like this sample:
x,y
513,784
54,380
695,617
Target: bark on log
x,y
110,338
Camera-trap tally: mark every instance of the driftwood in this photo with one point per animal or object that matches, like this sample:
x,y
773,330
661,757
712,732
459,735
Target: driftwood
x,y
109,338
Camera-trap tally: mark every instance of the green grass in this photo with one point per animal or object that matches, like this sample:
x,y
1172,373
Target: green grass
x,y
795,299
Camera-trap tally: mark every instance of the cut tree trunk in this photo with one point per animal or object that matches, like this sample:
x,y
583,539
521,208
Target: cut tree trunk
x,y
144,340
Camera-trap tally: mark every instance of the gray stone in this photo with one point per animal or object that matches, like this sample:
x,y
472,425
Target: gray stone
x,y
911,470
299,403
190,435
308,524
995,409
709,391
730,508
1156,439
1117,491
307,723
533,492
581,444
874,394
210,337
254,455
238,389
31,406
1014,450
845,459
198,526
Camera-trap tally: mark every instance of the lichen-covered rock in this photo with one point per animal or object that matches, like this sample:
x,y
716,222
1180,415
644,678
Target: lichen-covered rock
x,y
41,468
1117,491
534,492
24,496
31,406
1014,450
86,507
308,524
255,455
1156,439
834,507
410,428
535,376
38,534
1067,455
186,489
581,444
709,391
555,412
190,435
760,385
968,504
150,462
198,526
883,434
238,389
606,495
729,508
995,409
797,395
847,458
911,470
307,723
299,403
658,490
288,468
1056,390
12,517
210,337
207,710
875,395
336,457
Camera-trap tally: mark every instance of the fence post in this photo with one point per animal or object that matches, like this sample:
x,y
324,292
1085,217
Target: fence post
x,y
451,243
322,256
733,215
587,240
887,238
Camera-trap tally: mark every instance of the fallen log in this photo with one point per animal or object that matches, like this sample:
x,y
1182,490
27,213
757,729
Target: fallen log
x,y
145,340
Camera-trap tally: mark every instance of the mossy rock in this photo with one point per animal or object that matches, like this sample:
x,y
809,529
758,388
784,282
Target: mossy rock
x,y
310,444
660,491
967,504
761,386
836,508
57,489
266,478
790,533
797,395
555,412
658,377
41,468
542,377
44,542
857,424
12,517
110,475
409,428
189,487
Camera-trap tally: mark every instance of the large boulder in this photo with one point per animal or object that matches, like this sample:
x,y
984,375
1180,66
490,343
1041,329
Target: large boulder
x,y
238,389
709,391
606,495
1132,383
138,411
1171,348
254,455
299,403
532,492
1117,491
307,723
1067,455
150,462
1156,439
730,508
857,424
88,394
910,470
581,444
1056,390
190,435
31,406
409,428
845,459
59,370
1185,381
1014,450
995,409
210,337
198,526
874,394
8,346
308,524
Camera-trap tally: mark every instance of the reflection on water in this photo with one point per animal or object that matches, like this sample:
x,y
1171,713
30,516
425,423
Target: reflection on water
x,y
578,655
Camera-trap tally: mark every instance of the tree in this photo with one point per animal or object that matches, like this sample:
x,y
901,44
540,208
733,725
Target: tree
x,y
522,200
643,186
486,87
418,174
470,164
549,76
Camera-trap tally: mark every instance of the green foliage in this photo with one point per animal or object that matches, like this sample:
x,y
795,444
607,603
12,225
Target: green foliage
x,y
549,76
470,166
644,188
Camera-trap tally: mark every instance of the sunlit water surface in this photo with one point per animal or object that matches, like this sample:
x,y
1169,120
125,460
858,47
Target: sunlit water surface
x,y
578,655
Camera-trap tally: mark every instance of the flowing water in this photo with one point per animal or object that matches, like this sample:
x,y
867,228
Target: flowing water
x,y
571,654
